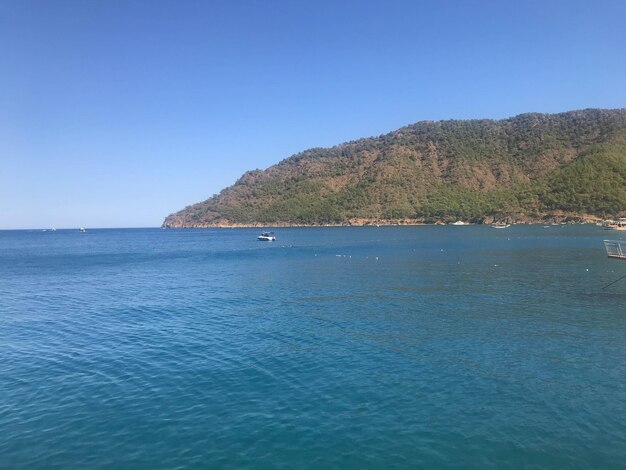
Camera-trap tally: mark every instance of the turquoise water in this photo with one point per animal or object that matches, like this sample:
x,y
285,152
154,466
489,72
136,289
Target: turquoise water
x,y
332,347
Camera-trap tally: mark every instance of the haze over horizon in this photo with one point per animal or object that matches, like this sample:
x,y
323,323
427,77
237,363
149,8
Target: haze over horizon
x,y
115,114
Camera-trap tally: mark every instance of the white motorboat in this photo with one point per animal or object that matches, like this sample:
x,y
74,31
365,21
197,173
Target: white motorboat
x,y
500,225
267,237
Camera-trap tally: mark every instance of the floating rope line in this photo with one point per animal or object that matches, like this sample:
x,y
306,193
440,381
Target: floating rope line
x,y
614,281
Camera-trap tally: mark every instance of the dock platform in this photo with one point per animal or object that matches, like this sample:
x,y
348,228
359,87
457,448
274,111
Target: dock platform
x,y
615,248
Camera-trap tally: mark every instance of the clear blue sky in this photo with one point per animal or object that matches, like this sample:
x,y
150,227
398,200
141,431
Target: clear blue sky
x,y
117,113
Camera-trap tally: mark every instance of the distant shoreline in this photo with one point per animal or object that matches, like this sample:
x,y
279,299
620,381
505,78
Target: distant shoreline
x,y
530,168
363,222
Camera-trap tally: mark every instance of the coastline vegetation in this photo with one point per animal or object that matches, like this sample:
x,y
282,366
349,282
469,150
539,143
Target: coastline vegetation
x,y
523,168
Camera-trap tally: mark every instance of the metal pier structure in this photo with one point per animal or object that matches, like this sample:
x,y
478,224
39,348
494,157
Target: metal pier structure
x,y
615,248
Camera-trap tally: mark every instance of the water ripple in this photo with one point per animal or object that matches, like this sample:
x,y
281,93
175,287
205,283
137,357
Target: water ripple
x,y
412,348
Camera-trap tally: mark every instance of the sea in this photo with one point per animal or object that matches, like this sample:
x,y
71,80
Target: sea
x,y
332,347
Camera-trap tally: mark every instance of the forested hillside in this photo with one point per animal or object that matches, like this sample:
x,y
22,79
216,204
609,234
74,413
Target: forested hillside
x,y
529,167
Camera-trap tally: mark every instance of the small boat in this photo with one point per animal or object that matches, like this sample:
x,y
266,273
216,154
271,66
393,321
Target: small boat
x,y
500,225
459,222
267,237
619,224
82,229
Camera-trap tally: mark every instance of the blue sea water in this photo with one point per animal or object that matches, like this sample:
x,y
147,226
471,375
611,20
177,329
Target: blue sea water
x,y
388,347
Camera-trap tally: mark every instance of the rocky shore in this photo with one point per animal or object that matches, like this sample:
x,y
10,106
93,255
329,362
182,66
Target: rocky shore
x,y
548,218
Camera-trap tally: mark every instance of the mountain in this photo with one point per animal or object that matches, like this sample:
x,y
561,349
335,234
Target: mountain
x,y
527,168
